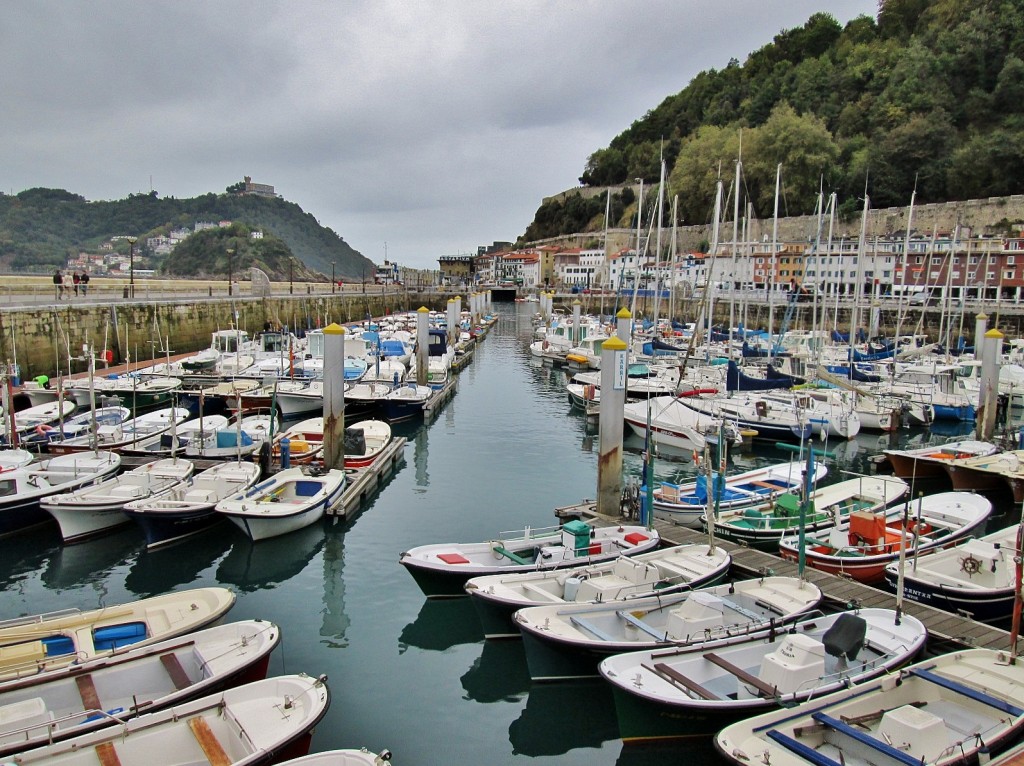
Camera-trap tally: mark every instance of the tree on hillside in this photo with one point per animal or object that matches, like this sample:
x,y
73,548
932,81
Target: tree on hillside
x,y
805,148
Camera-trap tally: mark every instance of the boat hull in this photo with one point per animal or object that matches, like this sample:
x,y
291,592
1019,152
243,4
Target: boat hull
x,y
167,527
86,521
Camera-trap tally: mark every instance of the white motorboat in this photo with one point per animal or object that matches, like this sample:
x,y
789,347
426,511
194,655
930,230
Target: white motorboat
x,y
80,698
25,487
289,500
567,640
97,508
663,571
668,693
114,437
944,710
442,569
758,488
189,508
365,441
242,726
37,643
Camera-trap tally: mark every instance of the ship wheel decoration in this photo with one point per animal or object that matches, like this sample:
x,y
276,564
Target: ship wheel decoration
x,y
970,565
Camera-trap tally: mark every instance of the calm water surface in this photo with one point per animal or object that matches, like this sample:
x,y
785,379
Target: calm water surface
x,y
407,674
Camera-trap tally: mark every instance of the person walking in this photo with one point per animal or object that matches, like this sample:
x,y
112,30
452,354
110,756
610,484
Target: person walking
x,y
58,285
84,282
75,280
67,286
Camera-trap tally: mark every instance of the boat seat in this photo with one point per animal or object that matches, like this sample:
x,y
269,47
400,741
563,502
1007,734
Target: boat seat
x,y
200,496
502,551
544,595
212,748
128,491
589,627
805,752
636,622
670,673
107,755
867,740
764,689
174,669
751,615
975,694
87,691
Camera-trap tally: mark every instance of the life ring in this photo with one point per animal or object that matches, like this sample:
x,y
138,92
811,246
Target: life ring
x,y
970,565
496,546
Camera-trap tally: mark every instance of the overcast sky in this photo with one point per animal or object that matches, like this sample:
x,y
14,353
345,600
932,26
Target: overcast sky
x,y
416,127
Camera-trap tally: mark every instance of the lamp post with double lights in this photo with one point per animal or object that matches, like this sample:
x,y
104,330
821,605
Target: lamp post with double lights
x,y
230,253
334,282
291,276
131,266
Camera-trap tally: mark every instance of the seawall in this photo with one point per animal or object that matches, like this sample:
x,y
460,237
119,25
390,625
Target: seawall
x,y
41,337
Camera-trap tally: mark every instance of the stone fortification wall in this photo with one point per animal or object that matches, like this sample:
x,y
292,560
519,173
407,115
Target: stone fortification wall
x,y
976,217
40,337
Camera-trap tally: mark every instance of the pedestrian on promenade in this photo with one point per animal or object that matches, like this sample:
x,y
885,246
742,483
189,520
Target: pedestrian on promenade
x,y
84,282
67,286
76,279
58,285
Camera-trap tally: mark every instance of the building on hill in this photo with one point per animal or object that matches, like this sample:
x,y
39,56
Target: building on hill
x,y
257,190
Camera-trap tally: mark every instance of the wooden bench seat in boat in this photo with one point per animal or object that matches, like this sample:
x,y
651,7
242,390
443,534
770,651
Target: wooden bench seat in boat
x,y
212,748
763,689
107,755
174,669
671,674
867,740
87,691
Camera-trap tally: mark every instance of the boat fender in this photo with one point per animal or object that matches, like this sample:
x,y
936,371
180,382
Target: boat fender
x,y
497,547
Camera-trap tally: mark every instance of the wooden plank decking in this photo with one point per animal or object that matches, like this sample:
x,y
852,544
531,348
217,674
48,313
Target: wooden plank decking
x,y
838,591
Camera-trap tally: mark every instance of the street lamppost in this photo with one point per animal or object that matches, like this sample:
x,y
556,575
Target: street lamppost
x,y
131,266
333,281
291,276
230,253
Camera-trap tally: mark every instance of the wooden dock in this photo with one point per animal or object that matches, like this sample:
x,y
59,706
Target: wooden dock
x,y
838,592
363,482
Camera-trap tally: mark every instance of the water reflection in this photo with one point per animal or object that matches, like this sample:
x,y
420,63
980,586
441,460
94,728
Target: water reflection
x,y
499,674
419,458
695,751
335,619
24,554
256,566
564,716
164,569
91,561
442,624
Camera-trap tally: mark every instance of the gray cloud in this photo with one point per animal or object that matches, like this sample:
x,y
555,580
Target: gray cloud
x,y
432,126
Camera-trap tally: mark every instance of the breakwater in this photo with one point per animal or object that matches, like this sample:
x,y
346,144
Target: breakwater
x,y
39,338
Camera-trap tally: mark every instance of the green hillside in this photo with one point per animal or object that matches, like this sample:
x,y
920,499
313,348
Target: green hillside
x,y
40,228
928,95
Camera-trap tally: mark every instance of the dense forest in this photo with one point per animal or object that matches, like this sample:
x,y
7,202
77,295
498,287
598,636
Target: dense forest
x,y
232,249
40,228
927,96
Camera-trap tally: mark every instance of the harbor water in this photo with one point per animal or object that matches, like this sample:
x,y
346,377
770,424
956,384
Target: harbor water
x,y
407,674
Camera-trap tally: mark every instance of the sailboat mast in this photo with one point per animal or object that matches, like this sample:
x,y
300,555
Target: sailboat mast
x,y
903,298
858,286
735,236
771,272
714,249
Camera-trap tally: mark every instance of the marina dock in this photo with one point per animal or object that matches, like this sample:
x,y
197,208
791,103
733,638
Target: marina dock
x,y
838,592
